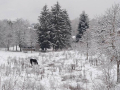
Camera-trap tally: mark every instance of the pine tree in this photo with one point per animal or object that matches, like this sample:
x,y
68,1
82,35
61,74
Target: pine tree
x,y
67,29
44,29
83,25
61,27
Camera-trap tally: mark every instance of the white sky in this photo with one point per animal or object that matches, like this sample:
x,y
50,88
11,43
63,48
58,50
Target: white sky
x,y
30,9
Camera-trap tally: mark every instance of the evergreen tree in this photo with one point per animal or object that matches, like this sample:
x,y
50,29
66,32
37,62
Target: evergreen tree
x,y
61,29
44,29
83,25
67,29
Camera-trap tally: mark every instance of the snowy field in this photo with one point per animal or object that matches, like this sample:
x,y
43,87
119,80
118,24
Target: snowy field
x,y
62,70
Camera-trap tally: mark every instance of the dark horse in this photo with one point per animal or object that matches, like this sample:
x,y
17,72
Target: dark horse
x,y
33,61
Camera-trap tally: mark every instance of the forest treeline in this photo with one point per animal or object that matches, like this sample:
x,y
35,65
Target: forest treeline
x,y
16,33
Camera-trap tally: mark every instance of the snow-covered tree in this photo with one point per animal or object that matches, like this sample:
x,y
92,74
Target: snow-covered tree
x,y
87,40
111,24
67,29
31,38
44,30
83,25
6,32
106,35
61,30
20,27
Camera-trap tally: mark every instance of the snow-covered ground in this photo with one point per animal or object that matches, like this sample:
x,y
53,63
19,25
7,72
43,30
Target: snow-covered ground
x,y
62,70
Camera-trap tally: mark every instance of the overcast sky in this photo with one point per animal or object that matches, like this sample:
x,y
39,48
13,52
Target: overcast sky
x,y
30,9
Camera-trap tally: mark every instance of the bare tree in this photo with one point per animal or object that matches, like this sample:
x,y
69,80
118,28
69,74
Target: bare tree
x,y
87,37
32,40
6,32
106,35
20,28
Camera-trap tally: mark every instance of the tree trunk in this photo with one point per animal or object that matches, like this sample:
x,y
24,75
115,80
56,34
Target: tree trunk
x,y
87,51
118,75
8,46
31,47
53,48
20,49
16,47
13,48
87,46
